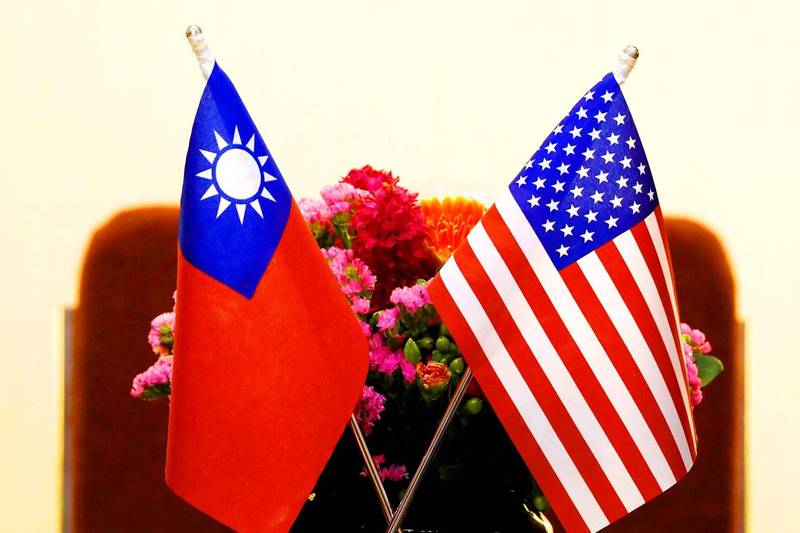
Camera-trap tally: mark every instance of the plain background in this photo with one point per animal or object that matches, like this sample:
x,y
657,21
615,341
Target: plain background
x,y
97,100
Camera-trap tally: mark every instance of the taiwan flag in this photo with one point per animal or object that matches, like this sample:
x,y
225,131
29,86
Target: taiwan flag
x,y
270,360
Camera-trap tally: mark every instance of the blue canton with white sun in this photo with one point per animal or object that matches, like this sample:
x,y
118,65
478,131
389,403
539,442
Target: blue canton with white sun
x,y
235,203
590,180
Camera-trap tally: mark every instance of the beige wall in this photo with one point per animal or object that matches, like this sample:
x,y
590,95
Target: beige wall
x,y
97,99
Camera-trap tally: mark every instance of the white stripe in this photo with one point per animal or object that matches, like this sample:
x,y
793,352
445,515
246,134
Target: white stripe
x,y
634,341
655,234
514,384
554,368
583,335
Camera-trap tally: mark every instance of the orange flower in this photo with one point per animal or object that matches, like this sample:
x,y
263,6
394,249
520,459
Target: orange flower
x,y
449,221
433,377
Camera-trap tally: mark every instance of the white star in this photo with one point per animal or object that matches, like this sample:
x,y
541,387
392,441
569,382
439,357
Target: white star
x,y
577,191
612,222
569,149
573,211
616,201
602,177
544,163
591,216
631,143
559,129
581,112
597,197
594,134
588,154
528,164
651,194
567,230
600,116
539,183
607,96
626,162
521,181
638,188
553,205
551,148
563,168
620,119
562,250
641,168
575,131
587,235
613,139
559,186
548,226
608,157
635,207
622,182
588,96
534,201
583,172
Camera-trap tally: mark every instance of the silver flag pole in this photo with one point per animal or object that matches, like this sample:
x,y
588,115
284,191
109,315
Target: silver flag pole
x,y
622,67
206,61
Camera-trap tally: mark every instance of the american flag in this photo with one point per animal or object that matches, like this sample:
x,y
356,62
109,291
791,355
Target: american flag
x,y
562,300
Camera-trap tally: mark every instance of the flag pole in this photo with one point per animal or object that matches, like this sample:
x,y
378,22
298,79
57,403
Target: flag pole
x,y
622,67
206,61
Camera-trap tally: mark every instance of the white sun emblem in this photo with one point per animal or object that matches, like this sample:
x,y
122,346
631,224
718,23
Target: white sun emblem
x,y
237,175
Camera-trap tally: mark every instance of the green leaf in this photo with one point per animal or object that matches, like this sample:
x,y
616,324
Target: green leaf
x,y
708,367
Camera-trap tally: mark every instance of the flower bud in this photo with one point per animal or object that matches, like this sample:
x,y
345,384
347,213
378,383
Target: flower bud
x,y
474,406
541,503
443,330
438,356
457,366
443,344
425,343
411,352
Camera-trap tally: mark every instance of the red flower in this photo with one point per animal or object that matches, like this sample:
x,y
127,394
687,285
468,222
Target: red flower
x,y
369,179
390,234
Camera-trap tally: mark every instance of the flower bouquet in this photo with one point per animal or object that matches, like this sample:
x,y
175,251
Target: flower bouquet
x,y
382,246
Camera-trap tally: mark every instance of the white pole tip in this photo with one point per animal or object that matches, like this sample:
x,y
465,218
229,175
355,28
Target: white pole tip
x,y
631,51
193,31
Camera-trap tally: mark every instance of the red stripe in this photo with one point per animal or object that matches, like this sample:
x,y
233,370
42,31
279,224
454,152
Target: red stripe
x,y
515,426
558,334
648,249
546,396
623,280
623,361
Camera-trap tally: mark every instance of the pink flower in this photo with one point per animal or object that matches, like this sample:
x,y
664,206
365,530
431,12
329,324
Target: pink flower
x,y
388,318
155,381
353,275
388,472
694,342
412,298
387,361
162,336
369,408
314,210
340,197
393,472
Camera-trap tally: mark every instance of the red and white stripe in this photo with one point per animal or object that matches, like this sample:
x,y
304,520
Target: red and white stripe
x,y
583,366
